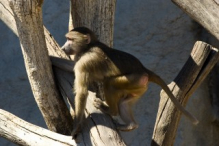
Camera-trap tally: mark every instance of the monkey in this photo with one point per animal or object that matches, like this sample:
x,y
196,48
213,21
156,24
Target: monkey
x,y
124,78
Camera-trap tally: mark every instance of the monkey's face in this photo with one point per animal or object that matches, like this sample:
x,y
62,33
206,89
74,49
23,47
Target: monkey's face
x,y
76,43
68,47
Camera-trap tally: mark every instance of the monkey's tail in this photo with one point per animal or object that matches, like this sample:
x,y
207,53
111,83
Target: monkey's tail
x,y
156,79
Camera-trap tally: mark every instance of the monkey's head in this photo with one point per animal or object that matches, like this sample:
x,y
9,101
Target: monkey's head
x,y
78,40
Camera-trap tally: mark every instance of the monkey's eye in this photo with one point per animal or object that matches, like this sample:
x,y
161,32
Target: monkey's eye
x,y
70,39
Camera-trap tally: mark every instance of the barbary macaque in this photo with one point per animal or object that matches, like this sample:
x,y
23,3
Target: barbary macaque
x,y
124,78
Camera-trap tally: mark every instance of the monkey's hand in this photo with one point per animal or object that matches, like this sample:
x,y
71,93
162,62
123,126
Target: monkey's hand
x,y
99,104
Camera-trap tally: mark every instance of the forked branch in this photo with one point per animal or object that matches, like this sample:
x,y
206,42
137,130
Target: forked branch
x,y
93,133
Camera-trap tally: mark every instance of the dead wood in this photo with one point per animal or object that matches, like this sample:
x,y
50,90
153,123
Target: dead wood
x,y
202,59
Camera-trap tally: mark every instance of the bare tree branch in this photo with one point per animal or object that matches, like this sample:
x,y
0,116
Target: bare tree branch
x,y
204,12
97,15
23,133
99,128
202,59
28,17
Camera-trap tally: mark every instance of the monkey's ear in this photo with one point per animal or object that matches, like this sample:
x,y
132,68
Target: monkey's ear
x,y
88,38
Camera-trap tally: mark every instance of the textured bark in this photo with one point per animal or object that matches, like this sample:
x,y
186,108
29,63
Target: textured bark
x,y
7,15
202,59
70,23
98,15
204,12
23,133
99,129
28,17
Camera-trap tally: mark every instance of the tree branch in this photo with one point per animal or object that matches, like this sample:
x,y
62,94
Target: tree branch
x,y
23,133
202,59
28,17
93,132
96,15
204,12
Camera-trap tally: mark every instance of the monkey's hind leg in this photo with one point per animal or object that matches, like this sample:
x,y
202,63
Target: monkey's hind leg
x,y
126,114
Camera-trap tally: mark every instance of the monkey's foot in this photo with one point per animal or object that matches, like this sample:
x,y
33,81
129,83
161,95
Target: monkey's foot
x,y
126,127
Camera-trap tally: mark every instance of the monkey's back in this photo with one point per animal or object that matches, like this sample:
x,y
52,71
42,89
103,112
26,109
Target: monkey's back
x,y
101,62
125,62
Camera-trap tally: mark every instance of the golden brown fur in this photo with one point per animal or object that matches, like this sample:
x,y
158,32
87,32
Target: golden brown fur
x,y
123,76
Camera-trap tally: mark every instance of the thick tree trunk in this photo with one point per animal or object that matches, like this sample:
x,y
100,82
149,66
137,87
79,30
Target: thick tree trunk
x,y
99,129
202,59
28,17
204,12
98,15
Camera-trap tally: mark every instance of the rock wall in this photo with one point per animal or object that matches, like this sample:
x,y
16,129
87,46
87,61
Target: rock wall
x,y
156,32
